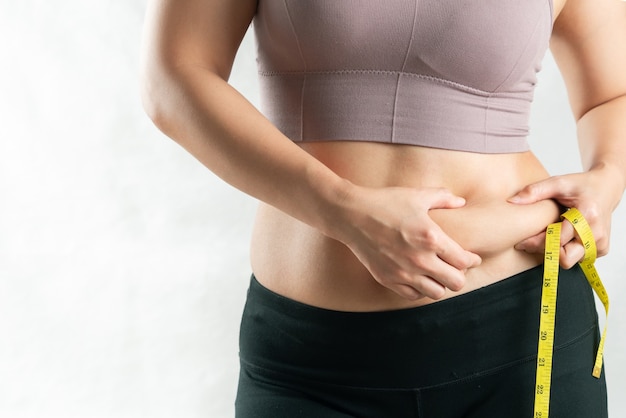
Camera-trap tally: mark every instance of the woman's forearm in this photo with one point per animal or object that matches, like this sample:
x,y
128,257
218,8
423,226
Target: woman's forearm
x,y
210,119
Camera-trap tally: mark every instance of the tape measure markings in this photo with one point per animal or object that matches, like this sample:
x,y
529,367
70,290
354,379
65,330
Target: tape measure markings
x,y
548,303
547,321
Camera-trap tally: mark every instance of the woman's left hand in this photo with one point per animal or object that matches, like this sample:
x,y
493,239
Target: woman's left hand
x,y
594,193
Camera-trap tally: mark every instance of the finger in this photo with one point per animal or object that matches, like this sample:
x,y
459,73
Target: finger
x,y
533,245
454,255
552,187
536,243
440,275
568,233
572,250
427,286
571,254
432,289
444,247
407,292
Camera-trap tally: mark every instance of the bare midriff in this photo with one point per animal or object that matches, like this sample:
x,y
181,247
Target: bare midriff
x,y
297,261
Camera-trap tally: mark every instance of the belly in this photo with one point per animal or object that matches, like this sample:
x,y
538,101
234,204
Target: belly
x,y
297,261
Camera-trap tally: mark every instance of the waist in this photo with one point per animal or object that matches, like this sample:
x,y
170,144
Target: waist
x,y
496,326
296,260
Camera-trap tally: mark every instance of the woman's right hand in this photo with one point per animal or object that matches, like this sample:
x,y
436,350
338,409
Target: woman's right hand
x,y
391,233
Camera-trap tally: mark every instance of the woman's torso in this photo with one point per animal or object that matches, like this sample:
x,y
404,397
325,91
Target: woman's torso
x,y
299,262
482,94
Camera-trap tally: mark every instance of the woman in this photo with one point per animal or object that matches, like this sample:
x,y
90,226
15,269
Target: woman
x,y
397,248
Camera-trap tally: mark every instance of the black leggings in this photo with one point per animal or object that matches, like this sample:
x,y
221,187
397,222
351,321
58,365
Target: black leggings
x,y
473,355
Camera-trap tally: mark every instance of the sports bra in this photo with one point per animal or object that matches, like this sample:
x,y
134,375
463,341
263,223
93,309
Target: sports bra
x,y
451,74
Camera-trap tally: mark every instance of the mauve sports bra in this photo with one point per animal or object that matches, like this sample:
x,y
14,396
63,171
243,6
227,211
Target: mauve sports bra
x,y
453,74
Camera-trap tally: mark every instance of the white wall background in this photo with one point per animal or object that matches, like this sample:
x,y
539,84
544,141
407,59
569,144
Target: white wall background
x,y
123,262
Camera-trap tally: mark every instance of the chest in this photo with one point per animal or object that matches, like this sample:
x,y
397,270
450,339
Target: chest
x,y
484,44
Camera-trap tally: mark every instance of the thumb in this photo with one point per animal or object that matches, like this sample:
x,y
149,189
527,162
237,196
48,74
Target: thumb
x,y
546,189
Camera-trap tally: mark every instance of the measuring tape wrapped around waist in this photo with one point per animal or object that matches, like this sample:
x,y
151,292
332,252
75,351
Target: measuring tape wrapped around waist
x,y
548,303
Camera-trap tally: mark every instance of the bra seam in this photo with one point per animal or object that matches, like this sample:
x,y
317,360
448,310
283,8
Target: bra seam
x,y
519,57
385,72
551,5
486,122
399,76
302,88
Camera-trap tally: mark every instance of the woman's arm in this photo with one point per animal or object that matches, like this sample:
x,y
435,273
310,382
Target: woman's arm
x,y
189,49
589,46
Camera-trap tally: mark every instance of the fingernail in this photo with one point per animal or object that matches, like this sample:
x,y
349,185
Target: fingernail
x,y
515,199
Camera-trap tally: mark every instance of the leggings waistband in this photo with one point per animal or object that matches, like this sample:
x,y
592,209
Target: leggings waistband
x,y
489,328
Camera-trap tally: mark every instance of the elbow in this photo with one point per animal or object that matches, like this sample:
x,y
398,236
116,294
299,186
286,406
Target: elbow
x,y
149,97
153,94
168,98
161,88
171,97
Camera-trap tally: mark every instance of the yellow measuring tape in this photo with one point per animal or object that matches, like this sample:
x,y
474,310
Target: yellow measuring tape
x,y
548,303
